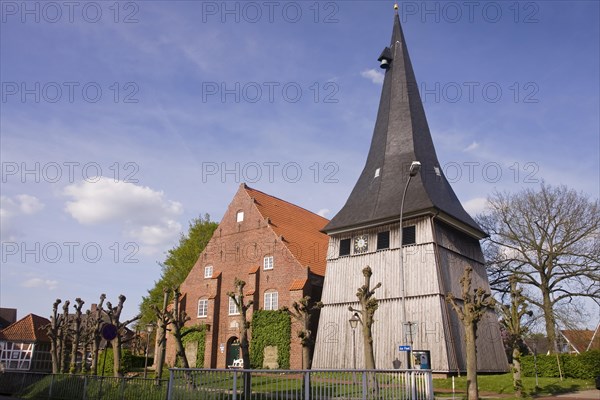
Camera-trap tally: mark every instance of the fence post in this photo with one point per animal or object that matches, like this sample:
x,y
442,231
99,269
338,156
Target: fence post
x,y
170,385
307,385
413,387
364,385
123,388
430,385
234,384
84,387
51,385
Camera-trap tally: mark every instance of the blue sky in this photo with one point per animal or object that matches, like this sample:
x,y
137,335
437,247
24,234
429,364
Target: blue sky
x,y
120,122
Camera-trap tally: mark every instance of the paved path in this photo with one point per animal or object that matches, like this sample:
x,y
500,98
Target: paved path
x,y
584,394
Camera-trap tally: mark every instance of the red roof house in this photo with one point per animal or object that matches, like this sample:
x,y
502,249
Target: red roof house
x,y
277,248
24,346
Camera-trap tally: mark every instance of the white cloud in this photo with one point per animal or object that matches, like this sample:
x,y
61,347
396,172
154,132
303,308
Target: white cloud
x,y
473,146
375,76
476,205
323,212
22,204
146,215
38,283
12,207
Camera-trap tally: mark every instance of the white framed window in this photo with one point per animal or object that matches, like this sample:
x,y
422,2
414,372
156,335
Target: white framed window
x,y
240,216
268,262
208,271
202,308
271,300
233,308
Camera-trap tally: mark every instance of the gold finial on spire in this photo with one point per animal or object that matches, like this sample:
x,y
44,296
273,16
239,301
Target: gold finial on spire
x,y
396,6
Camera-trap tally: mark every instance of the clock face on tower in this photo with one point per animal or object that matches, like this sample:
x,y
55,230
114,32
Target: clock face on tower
x,y
361,244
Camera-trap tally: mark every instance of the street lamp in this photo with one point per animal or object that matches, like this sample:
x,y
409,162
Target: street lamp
x,y
149,329
353,324
415,167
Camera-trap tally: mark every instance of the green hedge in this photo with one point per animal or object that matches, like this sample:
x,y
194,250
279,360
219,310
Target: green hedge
x,y
580,366
127,362
270,328
198,335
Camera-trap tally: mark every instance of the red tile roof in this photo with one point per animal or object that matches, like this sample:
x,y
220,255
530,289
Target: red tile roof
x,y
300,229
27,329
254,269
298,284
580,339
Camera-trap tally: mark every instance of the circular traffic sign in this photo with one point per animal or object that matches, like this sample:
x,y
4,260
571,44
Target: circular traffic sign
x,y
109,332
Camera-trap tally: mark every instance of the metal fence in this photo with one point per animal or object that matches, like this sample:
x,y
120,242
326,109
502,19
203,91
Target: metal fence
x,y
80,387
229,384
226,384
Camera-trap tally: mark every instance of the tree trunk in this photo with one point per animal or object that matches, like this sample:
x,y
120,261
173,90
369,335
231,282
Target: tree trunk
x,y
368,347
116,346
517,382
95,353
161,338
550,322
181,353
471,337
76,337
246,357
306,361
54,354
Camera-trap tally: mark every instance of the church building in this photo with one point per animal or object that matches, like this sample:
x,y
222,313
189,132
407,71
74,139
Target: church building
x,y
278,249
402,184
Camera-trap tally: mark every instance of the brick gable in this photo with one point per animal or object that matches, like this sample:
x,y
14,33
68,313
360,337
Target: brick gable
x,y
270,227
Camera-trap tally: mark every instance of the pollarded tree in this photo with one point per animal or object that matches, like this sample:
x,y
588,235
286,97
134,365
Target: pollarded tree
x,y
76,335
302,311
63,334
369,305
549,239
177,318
512,321
94,324
470,311
114,315
162,324
237,297
53,329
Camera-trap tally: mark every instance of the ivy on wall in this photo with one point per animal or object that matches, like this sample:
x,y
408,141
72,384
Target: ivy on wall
x,y
197,334
270,328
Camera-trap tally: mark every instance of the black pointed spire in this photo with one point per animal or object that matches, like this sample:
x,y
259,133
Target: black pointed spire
x,y
401,136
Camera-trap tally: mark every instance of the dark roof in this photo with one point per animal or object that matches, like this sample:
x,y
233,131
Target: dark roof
x,y
7,316
401,136
300,229
27,329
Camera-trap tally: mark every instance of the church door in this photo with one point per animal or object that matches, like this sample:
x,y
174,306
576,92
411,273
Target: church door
x,y
233,350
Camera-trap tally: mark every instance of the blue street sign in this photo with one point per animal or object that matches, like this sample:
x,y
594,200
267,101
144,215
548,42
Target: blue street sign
x,y
404,348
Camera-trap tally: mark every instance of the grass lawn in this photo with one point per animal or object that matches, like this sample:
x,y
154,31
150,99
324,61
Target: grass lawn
x,y
502,386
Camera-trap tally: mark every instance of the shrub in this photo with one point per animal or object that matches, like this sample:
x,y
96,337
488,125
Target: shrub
x,y
580,366
126,362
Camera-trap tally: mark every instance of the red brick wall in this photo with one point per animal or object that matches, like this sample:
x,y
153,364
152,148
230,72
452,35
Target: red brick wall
x,y
235,250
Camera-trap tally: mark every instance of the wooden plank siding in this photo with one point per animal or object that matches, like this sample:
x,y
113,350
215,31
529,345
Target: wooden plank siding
x,y
431,270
